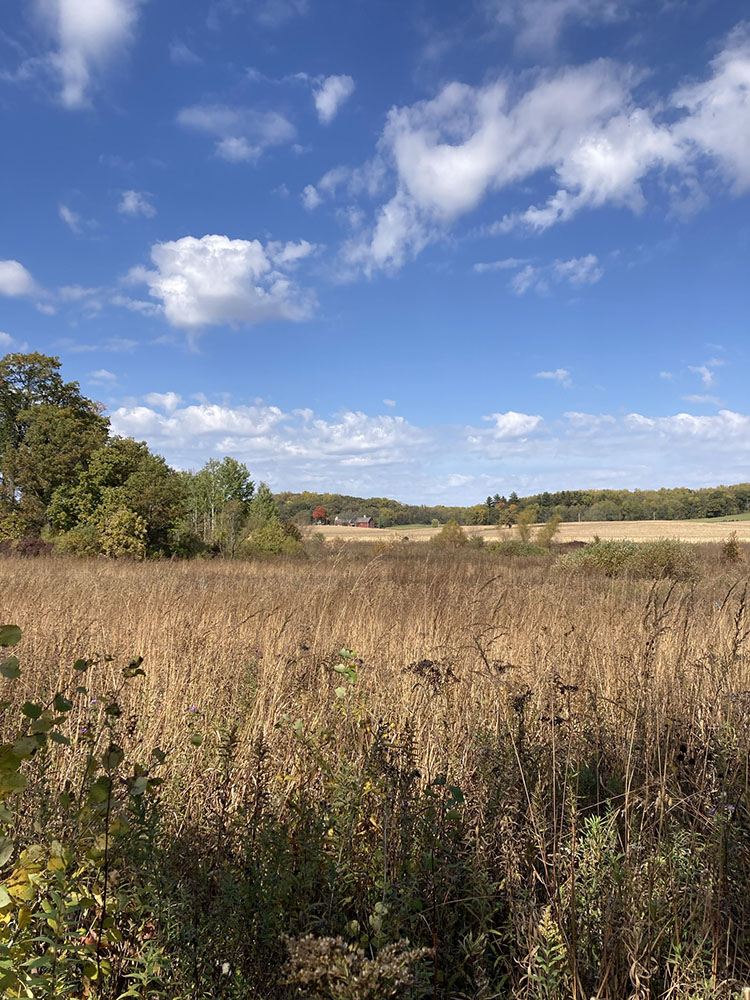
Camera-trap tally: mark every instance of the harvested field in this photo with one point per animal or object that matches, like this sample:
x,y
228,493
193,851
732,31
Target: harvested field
x,y
636,531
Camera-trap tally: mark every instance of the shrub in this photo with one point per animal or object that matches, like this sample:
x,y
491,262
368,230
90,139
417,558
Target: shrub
x,y
33,547
516,547
525,519
547,532
123,534
451,536
271,539
660,559
84,540
730,549
476,541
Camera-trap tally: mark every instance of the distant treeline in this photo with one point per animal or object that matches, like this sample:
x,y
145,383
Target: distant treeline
x,y
67,482
571,505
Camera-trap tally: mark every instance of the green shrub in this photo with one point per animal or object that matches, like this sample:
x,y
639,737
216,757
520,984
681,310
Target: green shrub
x,y
271,538
84,540
516,547
664,558
730,549
451,535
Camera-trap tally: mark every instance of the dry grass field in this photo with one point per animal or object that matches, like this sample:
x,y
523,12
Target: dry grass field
x,y
542,776
637,531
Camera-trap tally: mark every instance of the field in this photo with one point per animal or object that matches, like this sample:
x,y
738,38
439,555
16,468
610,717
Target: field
x,y
715,530
494,777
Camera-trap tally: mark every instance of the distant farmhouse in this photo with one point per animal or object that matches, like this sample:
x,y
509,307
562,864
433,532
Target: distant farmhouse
x,y
359,522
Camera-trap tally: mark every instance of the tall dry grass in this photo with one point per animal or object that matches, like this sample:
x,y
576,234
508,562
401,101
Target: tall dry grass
x,y
546,698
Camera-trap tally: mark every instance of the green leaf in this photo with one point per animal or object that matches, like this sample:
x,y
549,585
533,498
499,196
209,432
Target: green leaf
x,y
137,786
9,668
62,704
59,738
5,899
340,692
113,758
12,782
100,790
81,665
10,635
113,709
196,739
456,794
6,849
31,710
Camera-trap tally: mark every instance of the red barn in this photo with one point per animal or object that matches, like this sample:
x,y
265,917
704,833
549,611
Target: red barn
x,y
364,522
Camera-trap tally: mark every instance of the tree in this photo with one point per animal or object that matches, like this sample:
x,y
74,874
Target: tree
x,y
320,515
451,535
48,431
263,507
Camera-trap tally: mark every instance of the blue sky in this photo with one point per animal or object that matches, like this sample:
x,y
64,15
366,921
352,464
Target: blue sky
x,y
425,250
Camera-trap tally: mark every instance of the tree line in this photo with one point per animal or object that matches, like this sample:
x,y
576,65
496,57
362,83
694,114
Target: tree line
x,y
67,480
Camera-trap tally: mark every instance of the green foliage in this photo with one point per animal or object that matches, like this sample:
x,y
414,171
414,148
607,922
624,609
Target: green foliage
x,y
451,536
546,534
123,533
660,559
516,547
270,538
263,507
83,540
524,520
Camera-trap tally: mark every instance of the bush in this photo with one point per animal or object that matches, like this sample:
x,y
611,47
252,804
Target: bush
x,y
730,549
665,558
451,536
476,541
271,539
33,547
516,547
85,540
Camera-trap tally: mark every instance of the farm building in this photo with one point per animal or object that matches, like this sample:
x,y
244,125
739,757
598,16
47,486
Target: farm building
x,y
357,522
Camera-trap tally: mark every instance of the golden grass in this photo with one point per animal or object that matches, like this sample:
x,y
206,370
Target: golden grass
x,y
584,531
255,643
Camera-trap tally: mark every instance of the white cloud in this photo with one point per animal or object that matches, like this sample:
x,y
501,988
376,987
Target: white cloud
x,y
310,197
580,128
102,377
541,277
588,421
513,425
539,23
215,281
136,203
579,270
389,402
71,219
330,94
89,35
718,110
561,375
266,435
242,134
700,398
8,343
15,280
708,376
168,401
726,427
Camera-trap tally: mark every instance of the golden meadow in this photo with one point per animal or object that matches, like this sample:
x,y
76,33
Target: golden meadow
x,y
392,770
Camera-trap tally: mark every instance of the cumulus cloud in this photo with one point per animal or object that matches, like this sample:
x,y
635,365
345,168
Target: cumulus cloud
x,y
88,36
218,281
311,198
242,134
16,281
136,203
330,94
580,128
561,375
512,424
266,435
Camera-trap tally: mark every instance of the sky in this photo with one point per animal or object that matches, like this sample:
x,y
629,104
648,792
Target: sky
x,y
415,249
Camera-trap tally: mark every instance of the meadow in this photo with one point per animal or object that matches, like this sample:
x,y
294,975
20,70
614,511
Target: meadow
x,y
710,530
392,770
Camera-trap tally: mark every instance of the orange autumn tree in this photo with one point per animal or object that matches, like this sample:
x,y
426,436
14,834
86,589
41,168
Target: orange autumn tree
x,y
320,515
